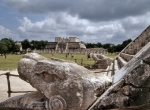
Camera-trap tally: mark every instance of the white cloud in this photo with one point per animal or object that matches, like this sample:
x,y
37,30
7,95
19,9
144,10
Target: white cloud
x,y
94,21
65,25
6,33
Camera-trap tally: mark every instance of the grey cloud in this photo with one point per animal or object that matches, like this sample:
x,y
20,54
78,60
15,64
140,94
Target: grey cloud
x,y
95,10
75,32
116,20
133,27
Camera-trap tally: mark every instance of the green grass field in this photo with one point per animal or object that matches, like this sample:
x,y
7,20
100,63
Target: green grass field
x,y
110,55
11,61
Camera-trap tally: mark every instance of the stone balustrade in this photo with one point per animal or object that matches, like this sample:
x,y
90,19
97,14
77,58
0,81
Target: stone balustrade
x,y
132,49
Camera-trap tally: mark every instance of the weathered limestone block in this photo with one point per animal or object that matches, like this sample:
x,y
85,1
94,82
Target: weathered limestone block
x,y
60,84
131,85
130,51
102,61
29,100
127,57
97,57
111,68
116,66
121,61
100,56
100,64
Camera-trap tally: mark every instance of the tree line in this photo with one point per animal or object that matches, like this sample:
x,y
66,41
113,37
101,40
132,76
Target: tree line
x,y
34,44
8,45
110,47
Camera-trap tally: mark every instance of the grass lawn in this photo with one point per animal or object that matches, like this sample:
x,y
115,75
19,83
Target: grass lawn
x,y
78,58
11,61
111,55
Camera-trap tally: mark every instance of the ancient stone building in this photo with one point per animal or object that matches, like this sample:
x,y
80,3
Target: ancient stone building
x,y
70,45
65,45
97,50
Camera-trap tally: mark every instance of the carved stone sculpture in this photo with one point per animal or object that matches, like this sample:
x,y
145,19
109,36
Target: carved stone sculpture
x,y
101,61
60,84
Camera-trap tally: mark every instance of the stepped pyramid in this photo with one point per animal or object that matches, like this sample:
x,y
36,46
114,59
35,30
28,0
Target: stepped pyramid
x,y
131,78
129,52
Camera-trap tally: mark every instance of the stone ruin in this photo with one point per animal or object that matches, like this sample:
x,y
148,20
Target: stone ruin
x,y
62,84
69,45
65,45
101,61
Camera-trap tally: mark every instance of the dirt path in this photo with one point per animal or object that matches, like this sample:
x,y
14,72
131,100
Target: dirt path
x,y
17,84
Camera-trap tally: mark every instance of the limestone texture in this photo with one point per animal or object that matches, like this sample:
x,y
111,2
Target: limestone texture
x,y
60,84
101,61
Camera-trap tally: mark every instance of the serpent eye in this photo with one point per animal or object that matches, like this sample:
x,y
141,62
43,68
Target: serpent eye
x,y
49,77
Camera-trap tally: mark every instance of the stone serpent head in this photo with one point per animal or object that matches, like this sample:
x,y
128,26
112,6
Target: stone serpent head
x,y
64,84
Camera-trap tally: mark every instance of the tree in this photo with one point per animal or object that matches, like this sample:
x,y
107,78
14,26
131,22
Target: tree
x,y
107,45
8,44
3,48
89,45
38,44
120,47
16,48
111,49
126,42
25,44
99,44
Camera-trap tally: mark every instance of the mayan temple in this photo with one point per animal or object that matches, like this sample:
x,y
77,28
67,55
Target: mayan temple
x,y
65,45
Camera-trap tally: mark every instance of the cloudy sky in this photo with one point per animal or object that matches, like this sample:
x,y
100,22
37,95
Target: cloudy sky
x,y
92,21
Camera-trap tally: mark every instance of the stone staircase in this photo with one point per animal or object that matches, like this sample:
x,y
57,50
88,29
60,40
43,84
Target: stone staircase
x,y
129,52
135,51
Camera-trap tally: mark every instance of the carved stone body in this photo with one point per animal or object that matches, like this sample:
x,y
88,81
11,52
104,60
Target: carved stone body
x,y
60,84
